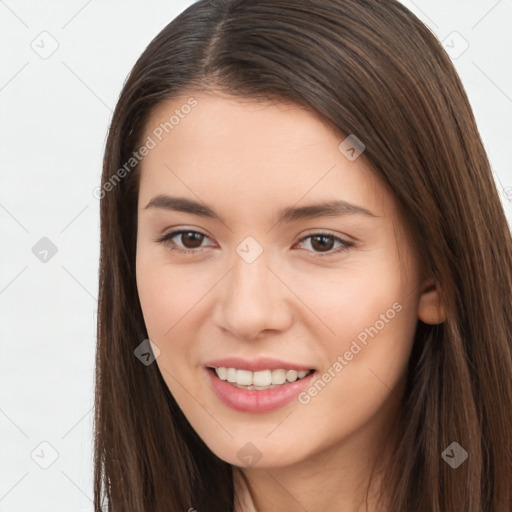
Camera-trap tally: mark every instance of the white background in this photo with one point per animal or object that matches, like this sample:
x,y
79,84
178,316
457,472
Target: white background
x,y
54,115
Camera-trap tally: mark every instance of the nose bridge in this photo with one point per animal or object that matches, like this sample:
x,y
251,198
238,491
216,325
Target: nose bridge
x,y
250,279
253,299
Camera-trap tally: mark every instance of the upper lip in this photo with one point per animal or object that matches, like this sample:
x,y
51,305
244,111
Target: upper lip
x,y
255,365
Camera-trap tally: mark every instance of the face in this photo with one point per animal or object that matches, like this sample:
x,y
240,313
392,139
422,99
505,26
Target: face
x,y
262,246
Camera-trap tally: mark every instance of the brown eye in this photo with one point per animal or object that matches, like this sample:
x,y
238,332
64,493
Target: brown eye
x,y
191,239
322,242
186,240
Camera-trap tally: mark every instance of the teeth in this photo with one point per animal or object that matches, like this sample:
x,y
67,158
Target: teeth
x,y
264,379
231,374
278,376
243,377
222,373
291,375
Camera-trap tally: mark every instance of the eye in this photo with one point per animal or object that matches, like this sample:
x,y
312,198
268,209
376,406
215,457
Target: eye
x,y
324,242
191,240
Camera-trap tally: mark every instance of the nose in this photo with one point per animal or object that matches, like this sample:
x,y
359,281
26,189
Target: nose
x,y
254,300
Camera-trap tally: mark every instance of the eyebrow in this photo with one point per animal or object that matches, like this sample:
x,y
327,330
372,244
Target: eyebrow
x,y
325,209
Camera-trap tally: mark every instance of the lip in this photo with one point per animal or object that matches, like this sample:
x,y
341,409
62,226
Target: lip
x,y
255,365
255,401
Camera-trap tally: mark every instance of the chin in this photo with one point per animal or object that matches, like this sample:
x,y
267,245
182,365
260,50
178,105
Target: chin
x,y
258,454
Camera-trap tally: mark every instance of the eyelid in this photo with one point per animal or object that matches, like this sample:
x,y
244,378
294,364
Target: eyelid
x,y
175,231
327,232
345,244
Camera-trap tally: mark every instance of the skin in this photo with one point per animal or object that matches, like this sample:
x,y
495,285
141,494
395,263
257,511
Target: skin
x,y
248,161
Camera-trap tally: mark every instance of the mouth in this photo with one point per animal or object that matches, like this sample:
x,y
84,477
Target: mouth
x,y
260,380
258,391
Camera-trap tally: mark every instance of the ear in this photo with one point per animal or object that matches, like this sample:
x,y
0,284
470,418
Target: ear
x,y
430,308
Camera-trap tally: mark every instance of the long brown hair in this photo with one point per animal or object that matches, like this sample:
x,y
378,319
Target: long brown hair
x,y
372,69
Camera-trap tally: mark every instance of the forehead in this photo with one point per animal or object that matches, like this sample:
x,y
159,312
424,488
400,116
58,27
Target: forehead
x,y
245,150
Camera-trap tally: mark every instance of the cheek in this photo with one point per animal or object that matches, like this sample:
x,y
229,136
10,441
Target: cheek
x,y
371,313
166,294
172,300
355,296
368,358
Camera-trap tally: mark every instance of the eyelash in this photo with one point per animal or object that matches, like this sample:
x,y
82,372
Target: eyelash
x,y
166,240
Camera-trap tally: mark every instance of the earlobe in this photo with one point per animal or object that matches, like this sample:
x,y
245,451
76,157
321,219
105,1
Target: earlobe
x,y
430,307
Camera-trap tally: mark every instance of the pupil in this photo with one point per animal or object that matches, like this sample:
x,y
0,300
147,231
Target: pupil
x,y
195,243
322,245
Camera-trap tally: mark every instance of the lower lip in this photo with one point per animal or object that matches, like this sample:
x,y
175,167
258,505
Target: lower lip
x,y
257,401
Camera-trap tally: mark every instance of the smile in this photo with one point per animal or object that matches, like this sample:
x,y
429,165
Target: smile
x,y
261,380
252,398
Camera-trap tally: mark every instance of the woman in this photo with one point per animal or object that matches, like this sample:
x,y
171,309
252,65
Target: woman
x,y
298,212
